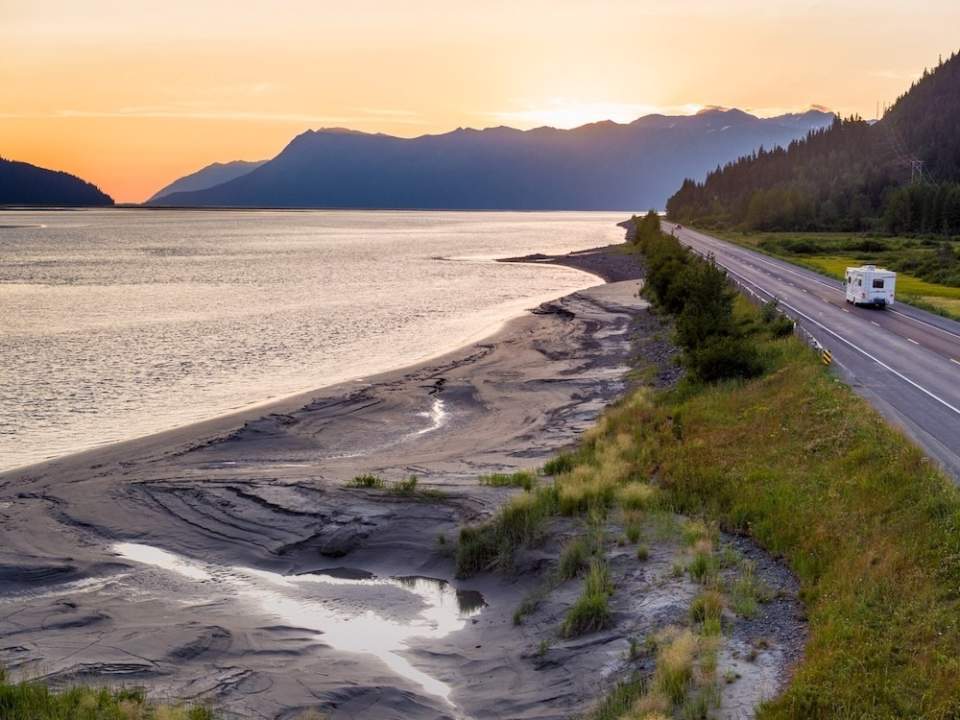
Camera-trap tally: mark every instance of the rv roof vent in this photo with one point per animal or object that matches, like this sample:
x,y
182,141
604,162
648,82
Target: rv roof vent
x,y
869,267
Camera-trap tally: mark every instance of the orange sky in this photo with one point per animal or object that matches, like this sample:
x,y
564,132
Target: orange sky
x,y
133,94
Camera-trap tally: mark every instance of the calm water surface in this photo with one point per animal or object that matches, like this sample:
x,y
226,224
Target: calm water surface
x,y
119,323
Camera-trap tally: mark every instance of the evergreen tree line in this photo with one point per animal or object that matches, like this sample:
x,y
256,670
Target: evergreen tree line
x,y
25,184
697,293
850,176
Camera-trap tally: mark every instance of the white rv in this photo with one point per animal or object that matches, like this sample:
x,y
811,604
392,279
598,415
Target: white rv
x,y
870,285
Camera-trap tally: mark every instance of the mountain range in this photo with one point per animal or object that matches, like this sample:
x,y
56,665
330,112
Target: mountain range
x,y
25,184
600,166
208,176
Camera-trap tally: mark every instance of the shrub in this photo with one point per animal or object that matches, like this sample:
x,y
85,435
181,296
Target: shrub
x,y
366,480
770,311
724,358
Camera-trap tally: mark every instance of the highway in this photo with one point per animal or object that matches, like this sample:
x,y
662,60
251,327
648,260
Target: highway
x,y
904,361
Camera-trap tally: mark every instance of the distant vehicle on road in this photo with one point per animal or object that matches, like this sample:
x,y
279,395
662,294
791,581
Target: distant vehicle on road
x,y
870,285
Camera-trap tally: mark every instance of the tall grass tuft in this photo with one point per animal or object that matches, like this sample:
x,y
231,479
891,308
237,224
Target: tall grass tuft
x,y
492,544
522,479
591,611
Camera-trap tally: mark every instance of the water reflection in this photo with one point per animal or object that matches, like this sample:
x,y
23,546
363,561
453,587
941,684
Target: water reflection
x,y
343,616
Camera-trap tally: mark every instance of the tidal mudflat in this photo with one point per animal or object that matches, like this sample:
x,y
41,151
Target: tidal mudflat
x,y
237,562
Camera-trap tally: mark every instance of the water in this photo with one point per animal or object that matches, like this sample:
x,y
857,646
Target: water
x,y
119,323
358,622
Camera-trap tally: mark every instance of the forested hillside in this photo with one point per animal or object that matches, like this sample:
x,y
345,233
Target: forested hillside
x,y
25,184
900,175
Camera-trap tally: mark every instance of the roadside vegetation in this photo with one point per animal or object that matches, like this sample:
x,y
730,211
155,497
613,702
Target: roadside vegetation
x,y
760,439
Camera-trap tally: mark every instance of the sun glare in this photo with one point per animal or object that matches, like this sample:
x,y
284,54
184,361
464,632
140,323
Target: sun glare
x,y
566,114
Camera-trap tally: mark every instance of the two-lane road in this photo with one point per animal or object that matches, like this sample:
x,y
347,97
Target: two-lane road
x,y
905,361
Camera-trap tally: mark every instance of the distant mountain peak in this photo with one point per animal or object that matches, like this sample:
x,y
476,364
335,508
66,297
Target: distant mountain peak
x,y
207,177
602,165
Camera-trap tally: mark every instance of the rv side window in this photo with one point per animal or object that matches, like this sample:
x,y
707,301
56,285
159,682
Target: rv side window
x,y
859,282
878,284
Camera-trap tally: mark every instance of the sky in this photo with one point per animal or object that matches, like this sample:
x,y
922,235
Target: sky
x,y
132,94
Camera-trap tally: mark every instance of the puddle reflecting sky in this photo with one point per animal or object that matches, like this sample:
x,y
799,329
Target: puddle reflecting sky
x,y
311,601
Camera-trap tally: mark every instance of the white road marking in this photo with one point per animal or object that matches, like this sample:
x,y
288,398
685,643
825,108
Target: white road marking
x,y
955,361
911,340
874,322
924,322
781,266
856,347
847,311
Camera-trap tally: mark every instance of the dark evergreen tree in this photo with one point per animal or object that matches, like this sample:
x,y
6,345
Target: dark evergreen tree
x,y
900,174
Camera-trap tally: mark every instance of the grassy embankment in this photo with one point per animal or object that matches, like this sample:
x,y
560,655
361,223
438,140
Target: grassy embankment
x,y
796,460
34,701
928,270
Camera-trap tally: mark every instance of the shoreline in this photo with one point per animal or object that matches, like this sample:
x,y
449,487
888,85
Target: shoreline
x,y
248,411
263,491
227,565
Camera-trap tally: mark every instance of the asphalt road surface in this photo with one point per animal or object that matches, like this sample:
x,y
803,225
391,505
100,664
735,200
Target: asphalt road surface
x,y
905,361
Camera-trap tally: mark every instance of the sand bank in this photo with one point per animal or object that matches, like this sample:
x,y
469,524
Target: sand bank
x,y
227,562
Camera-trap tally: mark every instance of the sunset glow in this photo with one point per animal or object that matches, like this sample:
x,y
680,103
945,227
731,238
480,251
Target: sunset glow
x,y
133,95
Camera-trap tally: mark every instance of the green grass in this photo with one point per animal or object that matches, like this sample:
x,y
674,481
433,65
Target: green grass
x,y
831,254
591,611
492,544
402,488
703,567
870,526
522,479
706,611
747,592
530,603
573,558
367,480
562,463
619,702
34,701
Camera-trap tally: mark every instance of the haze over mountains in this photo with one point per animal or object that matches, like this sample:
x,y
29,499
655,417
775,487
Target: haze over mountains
x,y
25,184
208,177
600,166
